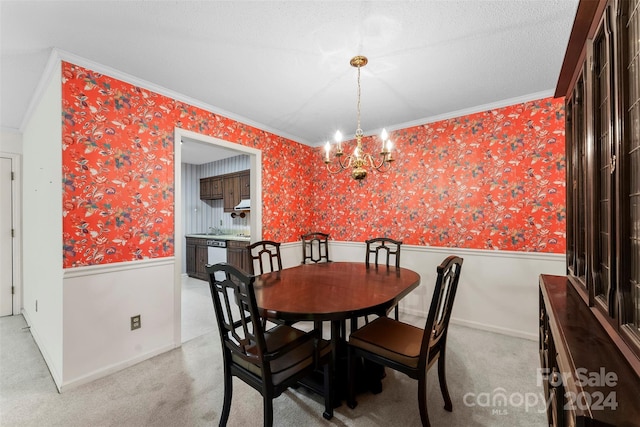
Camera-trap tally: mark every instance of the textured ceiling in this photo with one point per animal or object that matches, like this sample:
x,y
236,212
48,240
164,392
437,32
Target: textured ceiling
x,y
284,66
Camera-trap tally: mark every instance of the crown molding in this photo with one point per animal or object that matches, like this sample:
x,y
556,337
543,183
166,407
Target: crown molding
x,y
473,110
49,71
459,113
58,55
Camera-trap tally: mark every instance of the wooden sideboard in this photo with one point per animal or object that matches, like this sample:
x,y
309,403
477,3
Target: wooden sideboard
x,y
590,320
586,377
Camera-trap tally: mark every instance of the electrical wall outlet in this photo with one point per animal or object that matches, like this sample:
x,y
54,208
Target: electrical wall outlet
x,y
135,322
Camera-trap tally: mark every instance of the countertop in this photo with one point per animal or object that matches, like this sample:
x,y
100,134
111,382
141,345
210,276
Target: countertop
x,y
243,238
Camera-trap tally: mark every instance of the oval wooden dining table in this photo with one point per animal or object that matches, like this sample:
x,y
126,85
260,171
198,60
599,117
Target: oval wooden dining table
x,y
332,290
335,292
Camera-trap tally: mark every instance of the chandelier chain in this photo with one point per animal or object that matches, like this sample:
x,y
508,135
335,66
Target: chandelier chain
x,y
359,129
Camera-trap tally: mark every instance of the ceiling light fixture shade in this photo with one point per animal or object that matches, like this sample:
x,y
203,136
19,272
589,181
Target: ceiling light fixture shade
x,y
360,159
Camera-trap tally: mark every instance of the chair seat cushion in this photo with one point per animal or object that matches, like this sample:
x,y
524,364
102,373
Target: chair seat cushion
x,y
289,363
390,339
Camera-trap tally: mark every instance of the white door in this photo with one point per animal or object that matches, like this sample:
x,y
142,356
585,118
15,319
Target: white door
x,y
6,238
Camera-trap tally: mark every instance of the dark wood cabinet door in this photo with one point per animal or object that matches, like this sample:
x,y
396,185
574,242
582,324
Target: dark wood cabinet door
x,y
202,255
191,260
205,189
245,185
238,256
231,192
602,167
197,258
211,188
216,186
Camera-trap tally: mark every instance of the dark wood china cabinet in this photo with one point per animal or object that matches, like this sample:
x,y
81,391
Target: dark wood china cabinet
x,y
590,319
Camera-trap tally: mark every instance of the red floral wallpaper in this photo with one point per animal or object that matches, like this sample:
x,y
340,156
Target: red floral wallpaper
x,y
488,180
491,180
118,200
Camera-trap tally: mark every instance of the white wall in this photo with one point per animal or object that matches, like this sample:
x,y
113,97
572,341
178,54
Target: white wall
x,y
99,302
42,224
498,290
10,141
82,320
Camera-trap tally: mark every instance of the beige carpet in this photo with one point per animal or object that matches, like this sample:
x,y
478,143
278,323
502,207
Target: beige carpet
x,y
183,387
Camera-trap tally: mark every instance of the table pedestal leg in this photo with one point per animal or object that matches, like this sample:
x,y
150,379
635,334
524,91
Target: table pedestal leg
x,y
340,373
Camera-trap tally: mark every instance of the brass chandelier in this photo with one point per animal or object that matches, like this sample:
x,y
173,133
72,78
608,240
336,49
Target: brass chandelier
x,y
359,160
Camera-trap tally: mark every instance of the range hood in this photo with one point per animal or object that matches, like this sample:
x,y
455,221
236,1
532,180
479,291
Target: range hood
x,y
244,205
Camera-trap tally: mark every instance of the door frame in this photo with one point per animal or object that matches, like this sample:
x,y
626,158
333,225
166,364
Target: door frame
x,y
255,221
16,213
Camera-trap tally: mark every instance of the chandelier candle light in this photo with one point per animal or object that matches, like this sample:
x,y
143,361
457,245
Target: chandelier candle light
x,y
359,159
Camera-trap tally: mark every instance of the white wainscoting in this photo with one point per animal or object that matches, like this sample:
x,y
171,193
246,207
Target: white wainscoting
x,y
99,302
498,290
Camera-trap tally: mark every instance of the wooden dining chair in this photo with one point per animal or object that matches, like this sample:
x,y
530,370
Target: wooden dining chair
x,y
315,247
381,250
269,361
407,348
265,254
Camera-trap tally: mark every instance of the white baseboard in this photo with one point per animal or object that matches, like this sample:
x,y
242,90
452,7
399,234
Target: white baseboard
x,y
57,377
496,329
108,370
478,325
100,373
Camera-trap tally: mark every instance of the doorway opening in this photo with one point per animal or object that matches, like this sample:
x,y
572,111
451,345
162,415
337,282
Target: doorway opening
x,y
7,289
198,156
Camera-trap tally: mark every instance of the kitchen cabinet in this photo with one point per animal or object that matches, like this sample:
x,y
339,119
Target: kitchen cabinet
x,y
211,188
205,189
231,187
238,255
197,258
216,188
236,187
245,185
